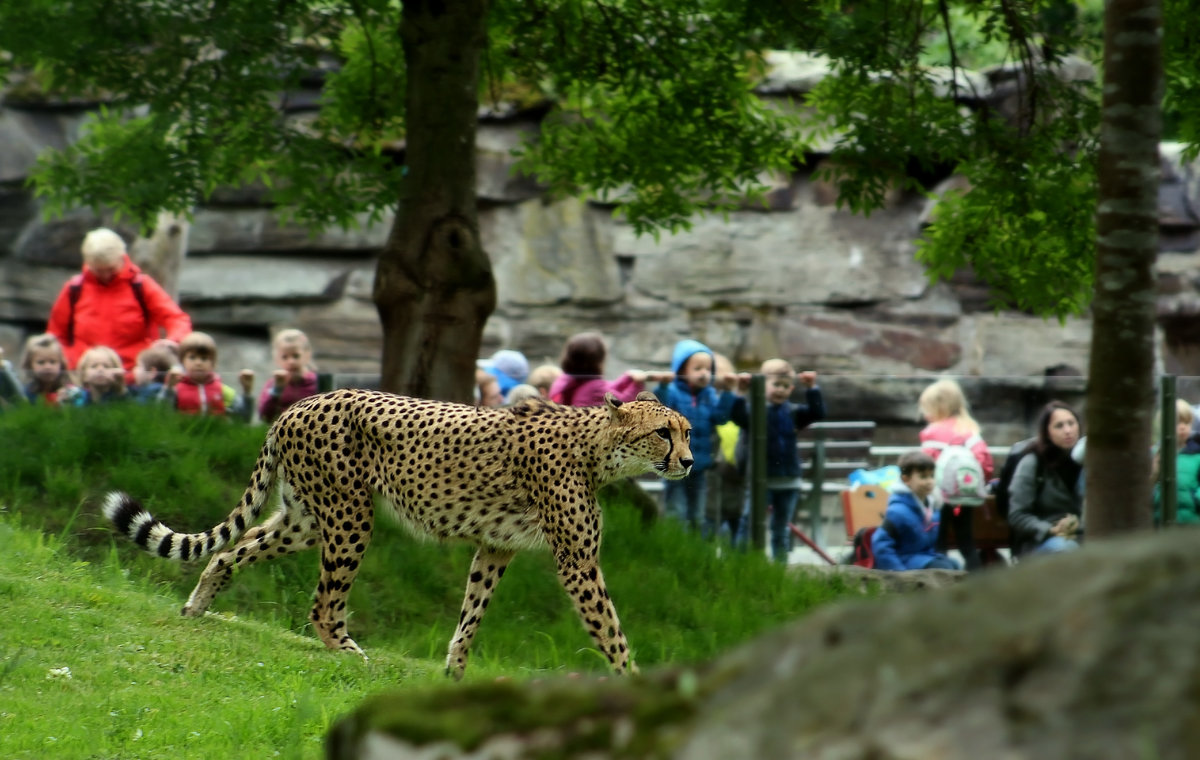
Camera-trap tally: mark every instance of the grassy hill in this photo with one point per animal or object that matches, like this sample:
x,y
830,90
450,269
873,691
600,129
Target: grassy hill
x,y
252,679
94,666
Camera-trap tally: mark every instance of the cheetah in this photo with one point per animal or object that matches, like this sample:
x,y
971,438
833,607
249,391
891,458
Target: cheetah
x,y
502,479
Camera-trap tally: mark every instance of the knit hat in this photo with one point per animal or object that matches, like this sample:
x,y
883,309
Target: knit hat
x,y
511,363
684,350
510,368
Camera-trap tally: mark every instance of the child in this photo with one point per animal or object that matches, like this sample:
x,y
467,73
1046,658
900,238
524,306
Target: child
x,y
150,374
11,391
909,532
783,462
522,392
509,367
487,389
691,394
197,388
45,364
582,380
950,424
1187,469
726,484
542,377
295,376
101,376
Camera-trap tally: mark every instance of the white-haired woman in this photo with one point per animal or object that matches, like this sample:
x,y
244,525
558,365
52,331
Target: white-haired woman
x,y
113,303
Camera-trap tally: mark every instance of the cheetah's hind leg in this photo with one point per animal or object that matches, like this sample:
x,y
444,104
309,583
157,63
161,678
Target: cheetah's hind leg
x,y
342,549
290,530
487,568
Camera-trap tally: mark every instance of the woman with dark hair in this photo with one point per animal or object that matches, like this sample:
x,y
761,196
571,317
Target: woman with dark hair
x,y
1046,501
582,380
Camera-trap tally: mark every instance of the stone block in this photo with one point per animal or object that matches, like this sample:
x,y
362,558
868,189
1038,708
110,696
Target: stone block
x,y
551,253
237,278
262,231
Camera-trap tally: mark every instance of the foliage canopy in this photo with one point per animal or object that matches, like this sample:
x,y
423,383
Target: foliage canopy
x,y
652,106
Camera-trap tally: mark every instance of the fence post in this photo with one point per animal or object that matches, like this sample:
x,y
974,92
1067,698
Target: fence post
x,y
1168,494
817,497
758,461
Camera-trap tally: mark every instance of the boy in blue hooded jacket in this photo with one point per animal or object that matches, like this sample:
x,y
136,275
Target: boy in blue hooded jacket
x,y
692,394
908,538
784,419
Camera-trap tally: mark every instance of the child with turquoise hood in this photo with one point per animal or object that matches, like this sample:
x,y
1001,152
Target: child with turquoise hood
x,y
692,394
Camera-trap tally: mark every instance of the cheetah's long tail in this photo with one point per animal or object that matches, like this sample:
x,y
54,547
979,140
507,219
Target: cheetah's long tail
x,y
129,517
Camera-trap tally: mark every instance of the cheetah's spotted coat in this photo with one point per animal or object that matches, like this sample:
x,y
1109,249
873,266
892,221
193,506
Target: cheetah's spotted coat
x,y
503,479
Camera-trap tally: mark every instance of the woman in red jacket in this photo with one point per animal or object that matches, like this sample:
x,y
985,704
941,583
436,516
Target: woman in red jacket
x,y
113,303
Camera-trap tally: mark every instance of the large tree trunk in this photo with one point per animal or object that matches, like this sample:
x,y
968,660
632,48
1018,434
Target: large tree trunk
x,y
1120,396
434,287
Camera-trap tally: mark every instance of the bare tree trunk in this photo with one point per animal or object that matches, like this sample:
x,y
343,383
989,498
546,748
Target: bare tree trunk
x,y
1120,400
161,254
434,287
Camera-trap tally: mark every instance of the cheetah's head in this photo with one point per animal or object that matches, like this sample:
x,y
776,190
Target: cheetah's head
x,y
653,437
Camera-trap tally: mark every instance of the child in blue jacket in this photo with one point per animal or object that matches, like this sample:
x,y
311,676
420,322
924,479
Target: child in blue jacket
x,y
908,538
692,395
784,419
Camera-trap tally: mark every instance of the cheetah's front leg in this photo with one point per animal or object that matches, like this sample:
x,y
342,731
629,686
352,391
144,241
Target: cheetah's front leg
x,y
487,568
584,583
576,545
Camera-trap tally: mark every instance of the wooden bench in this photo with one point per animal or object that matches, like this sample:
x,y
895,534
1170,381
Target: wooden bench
x,y
830,451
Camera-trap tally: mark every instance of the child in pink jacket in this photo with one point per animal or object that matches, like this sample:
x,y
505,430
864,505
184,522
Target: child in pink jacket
x,y
950,423
582,382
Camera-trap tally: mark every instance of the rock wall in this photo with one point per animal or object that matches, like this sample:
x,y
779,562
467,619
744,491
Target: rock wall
x,y
1085,655
792,276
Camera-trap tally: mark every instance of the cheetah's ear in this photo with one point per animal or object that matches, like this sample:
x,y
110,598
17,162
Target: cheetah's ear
x,y
646,396
613,403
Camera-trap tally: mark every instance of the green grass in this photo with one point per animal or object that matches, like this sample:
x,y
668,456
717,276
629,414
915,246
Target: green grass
x,y
253,679
144,682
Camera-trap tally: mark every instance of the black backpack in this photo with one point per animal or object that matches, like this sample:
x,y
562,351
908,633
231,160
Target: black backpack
x,y
863,554
1015,454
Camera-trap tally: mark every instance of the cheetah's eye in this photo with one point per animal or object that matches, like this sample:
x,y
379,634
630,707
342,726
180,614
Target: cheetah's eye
x,y
664,433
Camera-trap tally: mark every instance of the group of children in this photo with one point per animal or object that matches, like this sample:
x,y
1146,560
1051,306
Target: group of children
x,y
913,536
914,533
185,379
703,387
506,379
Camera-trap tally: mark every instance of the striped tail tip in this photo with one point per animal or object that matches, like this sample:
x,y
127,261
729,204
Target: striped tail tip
x,y
130,518
123,511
